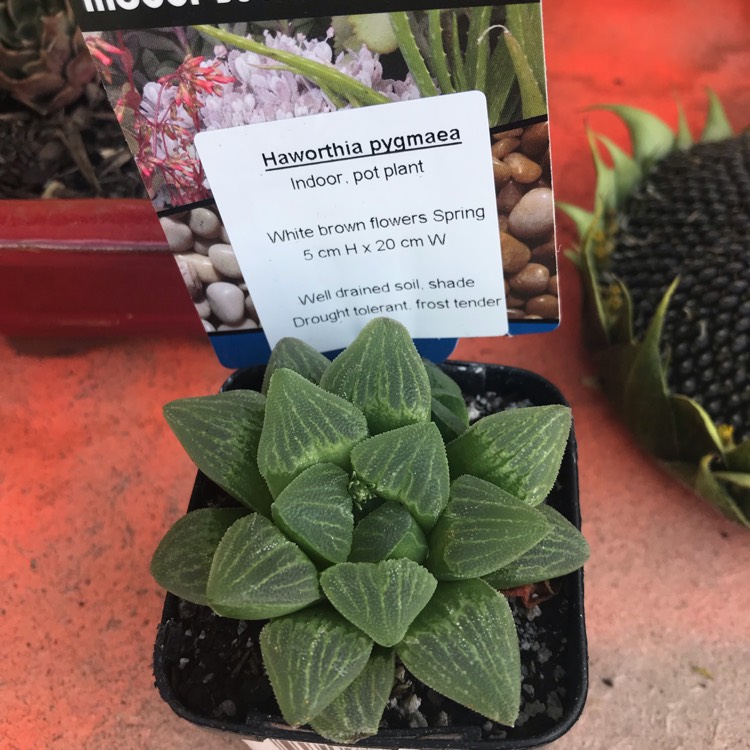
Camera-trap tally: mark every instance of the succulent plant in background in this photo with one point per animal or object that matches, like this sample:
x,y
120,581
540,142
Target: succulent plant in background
x,y
375,525
43,59
665,258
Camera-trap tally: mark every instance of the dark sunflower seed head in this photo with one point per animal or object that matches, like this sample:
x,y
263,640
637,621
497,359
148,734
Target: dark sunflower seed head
x,y
691,218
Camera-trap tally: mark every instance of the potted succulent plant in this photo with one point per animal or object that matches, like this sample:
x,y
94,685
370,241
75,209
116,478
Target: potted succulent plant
x,y
372,534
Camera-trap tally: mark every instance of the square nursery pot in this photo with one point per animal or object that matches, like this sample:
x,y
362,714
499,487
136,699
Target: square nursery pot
x,y
208,670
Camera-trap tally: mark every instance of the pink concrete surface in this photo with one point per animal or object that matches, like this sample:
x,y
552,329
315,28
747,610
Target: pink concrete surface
x,y
90,477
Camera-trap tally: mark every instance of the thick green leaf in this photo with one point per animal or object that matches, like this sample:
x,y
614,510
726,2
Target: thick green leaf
x,y
258,573
408,465
220,434
519,450
483,529
381,373
652,138
311,657
296,355
717,127
183,558
447,422
464,646
356,713
315,510
562,551
447,392
382,599
388,533
305,425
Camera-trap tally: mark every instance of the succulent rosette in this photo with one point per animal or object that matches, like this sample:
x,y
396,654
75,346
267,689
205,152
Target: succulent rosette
x,y
665,261
43,59
373,525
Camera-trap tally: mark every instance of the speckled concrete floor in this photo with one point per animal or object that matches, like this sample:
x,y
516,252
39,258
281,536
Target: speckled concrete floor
x,y
90,477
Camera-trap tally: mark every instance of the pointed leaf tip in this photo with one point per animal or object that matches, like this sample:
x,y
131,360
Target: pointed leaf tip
x,y
311,657
652,138
467,629
718,127
382,374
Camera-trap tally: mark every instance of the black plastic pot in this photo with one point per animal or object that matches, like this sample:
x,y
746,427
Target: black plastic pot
x,y
561,620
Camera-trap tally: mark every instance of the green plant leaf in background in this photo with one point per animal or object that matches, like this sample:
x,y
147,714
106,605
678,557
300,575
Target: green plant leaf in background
x,y
382,599
182,560
311,657
296,355
482,529
305,425
651,137
407,465
315,510
388,532
356,713
519,450
561,551
467,630
258,573
221,434
382,373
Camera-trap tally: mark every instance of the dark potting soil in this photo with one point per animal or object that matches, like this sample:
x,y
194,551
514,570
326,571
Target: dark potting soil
x,y
217,670
79,152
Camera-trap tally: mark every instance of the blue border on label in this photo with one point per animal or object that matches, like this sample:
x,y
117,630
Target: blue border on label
x,y
236,350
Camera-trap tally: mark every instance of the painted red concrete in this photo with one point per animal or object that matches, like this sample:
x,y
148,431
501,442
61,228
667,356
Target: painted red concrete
x,y
90,476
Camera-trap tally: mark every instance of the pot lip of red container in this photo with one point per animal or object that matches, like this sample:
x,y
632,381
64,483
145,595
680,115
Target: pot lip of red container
x,y
87,224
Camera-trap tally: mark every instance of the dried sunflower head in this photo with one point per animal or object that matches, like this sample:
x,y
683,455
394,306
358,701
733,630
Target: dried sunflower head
x,y
665,260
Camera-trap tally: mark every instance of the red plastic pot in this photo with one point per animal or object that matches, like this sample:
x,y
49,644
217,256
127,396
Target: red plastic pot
x,y
89,268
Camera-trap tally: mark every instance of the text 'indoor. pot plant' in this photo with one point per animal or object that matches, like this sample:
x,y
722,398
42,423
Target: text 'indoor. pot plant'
x,y
376,528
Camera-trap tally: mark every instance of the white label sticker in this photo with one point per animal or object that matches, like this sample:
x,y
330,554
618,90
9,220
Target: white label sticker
x,y
343,217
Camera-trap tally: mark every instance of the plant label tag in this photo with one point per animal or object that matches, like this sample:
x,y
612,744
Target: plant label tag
x,y
367,212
